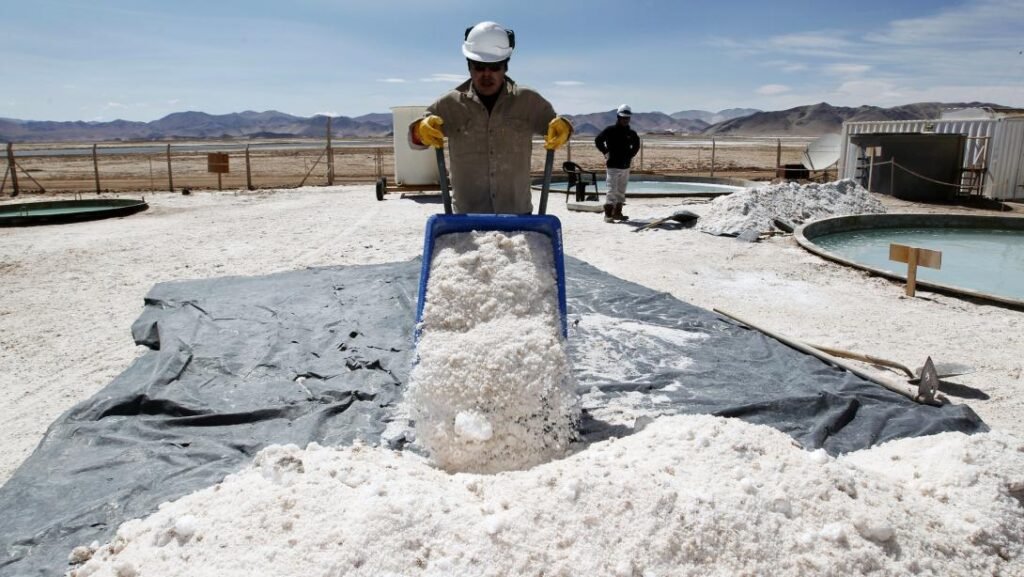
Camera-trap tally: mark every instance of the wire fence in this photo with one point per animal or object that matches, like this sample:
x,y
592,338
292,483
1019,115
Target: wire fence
x,y
144,167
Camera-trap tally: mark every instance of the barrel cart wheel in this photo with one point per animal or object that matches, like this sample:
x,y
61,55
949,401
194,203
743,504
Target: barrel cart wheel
x,y
382,187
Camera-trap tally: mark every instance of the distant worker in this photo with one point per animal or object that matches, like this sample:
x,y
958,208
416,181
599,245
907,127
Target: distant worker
x,y
619,144
490,122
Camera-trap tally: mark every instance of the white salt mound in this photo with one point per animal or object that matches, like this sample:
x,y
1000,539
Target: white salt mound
x,y
492,388
688,495
754,209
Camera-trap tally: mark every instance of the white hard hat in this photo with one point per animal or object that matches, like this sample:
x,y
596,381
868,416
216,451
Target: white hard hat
x,y
488,42
624,110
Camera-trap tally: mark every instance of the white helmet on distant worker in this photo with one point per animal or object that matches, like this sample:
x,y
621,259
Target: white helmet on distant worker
x,y
488,42
624,111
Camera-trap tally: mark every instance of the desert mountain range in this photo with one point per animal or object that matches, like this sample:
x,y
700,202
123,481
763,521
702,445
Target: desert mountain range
x,y
811,120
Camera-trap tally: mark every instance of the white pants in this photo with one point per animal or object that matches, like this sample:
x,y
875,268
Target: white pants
x,y
616,179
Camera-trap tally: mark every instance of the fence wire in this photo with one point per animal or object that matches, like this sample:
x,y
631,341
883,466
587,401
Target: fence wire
x,y
157,167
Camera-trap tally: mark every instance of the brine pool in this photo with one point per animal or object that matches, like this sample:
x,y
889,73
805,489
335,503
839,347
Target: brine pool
x,y
986,260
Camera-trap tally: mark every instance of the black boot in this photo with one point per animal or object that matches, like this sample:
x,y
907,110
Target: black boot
x,y
617,213
608,213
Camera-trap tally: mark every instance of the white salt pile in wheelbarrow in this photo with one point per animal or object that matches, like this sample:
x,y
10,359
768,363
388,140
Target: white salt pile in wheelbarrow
x,y
492,388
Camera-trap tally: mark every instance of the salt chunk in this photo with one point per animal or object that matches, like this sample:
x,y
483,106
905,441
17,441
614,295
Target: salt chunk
x,y
473,425
819,457
185,527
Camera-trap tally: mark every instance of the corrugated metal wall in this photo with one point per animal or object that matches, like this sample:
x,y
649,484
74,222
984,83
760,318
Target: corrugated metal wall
x,y
1005,177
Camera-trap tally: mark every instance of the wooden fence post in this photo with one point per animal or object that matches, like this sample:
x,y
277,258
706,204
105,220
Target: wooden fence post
x,y
170,177
13,168
330,155
248,169
778,157
712,157
96,168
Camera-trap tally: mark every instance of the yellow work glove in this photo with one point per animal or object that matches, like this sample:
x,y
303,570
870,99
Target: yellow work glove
x,y
429,131
559,131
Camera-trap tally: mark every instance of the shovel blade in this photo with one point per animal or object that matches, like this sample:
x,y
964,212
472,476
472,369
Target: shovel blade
x,y
929,384
946,370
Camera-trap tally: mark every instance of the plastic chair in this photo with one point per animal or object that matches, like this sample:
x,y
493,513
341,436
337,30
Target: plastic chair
x,y
579,179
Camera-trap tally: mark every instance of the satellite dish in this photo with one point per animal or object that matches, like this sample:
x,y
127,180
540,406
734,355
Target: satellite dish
x,y
823,152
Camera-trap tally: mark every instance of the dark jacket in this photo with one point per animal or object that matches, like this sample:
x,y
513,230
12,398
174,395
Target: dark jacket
x,y
620,143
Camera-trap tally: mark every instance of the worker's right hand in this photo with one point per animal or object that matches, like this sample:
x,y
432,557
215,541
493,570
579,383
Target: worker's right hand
x,y
429,131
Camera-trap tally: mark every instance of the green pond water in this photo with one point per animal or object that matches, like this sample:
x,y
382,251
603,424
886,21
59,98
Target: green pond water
x,y
985,260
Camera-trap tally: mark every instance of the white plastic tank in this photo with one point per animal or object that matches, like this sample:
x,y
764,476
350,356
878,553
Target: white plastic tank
x,y
412,167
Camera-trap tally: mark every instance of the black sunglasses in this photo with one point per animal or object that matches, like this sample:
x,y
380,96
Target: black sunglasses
x,y
481,66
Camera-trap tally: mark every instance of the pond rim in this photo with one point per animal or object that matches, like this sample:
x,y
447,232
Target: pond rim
x,y
805,234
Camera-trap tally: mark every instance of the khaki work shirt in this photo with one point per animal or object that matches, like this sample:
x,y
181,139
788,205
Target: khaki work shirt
x,y
490,153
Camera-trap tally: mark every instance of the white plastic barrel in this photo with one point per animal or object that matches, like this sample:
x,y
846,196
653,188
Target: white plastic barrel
x,y
412,167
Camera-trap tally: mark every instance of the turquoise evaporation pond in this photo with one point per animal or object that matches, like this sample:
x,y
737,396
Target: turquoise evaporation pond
x,y
667,186
980,259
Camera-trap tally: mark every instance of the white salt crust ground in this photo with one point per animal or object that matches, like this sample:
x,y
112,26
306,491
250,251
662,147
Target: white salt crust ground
x,y
492,389
688,495
73,291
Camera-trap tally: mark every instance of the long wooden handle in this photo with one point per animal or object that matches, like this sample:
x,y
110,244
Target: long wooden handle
x,y
901,388
865,358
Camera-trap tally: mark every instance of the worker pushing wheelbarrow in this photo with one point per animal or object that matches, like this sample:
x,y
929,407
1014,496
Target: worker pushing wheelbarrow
x,y
491,387
489,121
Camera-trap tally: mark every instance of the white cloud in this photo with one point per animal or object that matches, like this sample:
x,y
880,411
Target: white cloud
x,y
973,23
331,114
114,105
873,91
392,80
846,69
772,89
568,83
809,40
444,78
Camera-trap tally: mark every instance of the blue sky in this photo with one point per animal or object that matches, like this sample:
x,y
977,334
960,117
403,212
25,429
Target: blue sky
x,y
144,59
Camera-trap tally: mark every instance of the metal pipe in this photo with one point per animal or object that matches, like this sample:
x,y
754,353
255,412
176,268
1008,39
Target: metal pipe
x,y
549,161
442,176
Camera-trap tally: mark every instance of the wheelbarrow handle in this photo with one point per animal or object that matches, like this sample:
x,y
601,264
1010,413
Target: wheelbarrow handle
x,y
549,161
442,176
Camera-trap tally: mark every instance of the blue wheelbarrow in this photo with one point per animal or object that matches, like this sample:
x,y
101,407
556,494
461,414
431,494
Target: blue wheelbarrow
x,y
447,223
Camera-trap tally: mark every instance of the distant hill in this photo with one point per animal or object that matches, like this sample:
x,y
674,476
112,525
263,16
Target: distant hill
x,y
713,117
823,118
812,120
644,122
196,125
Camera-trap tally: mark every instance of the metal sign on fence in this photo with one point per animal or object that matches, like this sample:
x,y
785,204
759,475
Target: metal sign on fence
x,y
218,162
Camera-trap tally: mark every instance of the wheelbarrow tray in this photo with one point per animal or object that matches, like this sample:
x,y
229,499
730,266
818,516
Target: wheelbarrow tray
x,y
441,224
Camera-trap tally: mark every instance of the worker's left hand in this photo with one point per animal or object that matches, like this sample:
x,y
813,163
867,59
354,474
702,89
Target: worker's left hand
x,y
559,131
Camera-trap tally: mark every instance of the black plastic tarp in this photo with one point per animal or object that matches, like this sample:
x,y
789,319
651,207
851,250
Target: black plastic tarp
x,y
323,354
